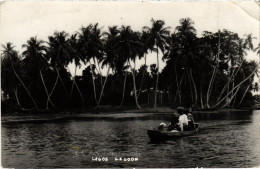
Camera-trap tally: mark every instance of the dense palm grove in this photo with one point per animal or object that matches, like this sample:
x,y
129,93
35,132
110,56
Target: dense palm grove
x,y
209,71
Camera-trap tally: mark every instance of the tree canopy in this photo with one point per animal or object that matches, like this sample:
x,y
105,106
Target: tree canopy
x,y
204,71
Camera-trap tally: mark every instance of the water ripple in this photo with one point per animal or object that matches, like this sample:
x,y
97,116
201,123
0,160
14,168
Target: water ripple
x,y
232,140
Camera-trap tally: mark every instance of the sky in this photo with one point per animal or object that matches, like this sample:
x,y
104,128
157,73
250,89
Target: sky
x,y
20,20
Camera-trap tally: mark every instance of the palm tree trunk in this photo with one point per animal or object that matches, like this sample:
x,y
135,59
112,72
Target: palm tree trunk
x,y
71,91
195,88
65,90
232,96
82,99
244,95
54,86
232,85
234,101
98,70
178,90
201,95
24,87
135,95
177,83
94,86
213,75
123,96
190,84
102,90
142,77
48,96
16,96
75,83
211,84
238,85
157,79
229,81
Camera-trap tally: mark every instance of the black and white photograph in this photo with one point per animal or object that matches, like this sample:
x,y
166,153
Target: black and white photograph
x,y
130,84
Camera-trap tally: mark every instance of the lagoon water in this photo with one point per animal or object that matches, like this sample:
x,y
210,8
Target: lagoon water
x,y
225,140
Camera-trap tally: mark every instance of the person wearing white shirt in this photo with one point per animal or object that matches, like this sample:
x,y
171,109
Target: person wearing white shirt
x,y
183,120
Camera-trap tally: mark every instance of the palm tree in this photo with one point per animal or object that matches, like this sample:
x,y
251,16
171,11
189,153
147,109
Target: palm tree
x,y
224,49
111,54
243,45
186,35
124,69
244,94
9,82
59,53
236,48
158,35
12,56
186,27
91,47
129,47
146,47
172,56
73,42
217,59
116,61
205,54
35,60
96,32
251,68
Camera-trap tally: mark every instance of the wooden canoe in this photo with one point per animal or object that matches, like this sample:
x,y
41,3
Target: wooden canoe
x,y
158,135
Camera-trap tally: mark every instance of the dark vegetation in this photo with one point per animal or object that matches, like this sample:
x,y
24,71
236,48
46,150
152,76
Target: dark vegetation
x,y
207,71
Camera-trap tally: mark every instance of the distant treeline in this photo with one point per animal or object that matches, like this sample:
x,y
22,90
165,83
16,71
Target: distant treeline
x,y
209,71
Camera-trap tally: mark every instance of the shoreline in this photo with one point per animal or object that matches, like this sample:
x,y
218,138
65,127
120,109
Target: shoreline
x,y
99,114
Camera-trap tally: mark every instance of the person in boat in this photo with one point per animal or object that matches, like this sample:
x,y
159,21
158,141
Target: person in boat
x,y
173,125
162,127
191,125
183,120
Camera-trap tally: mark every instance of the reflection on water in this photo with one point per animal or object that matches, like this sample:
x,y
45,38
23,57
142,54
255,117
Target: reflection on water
x,y
225,140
